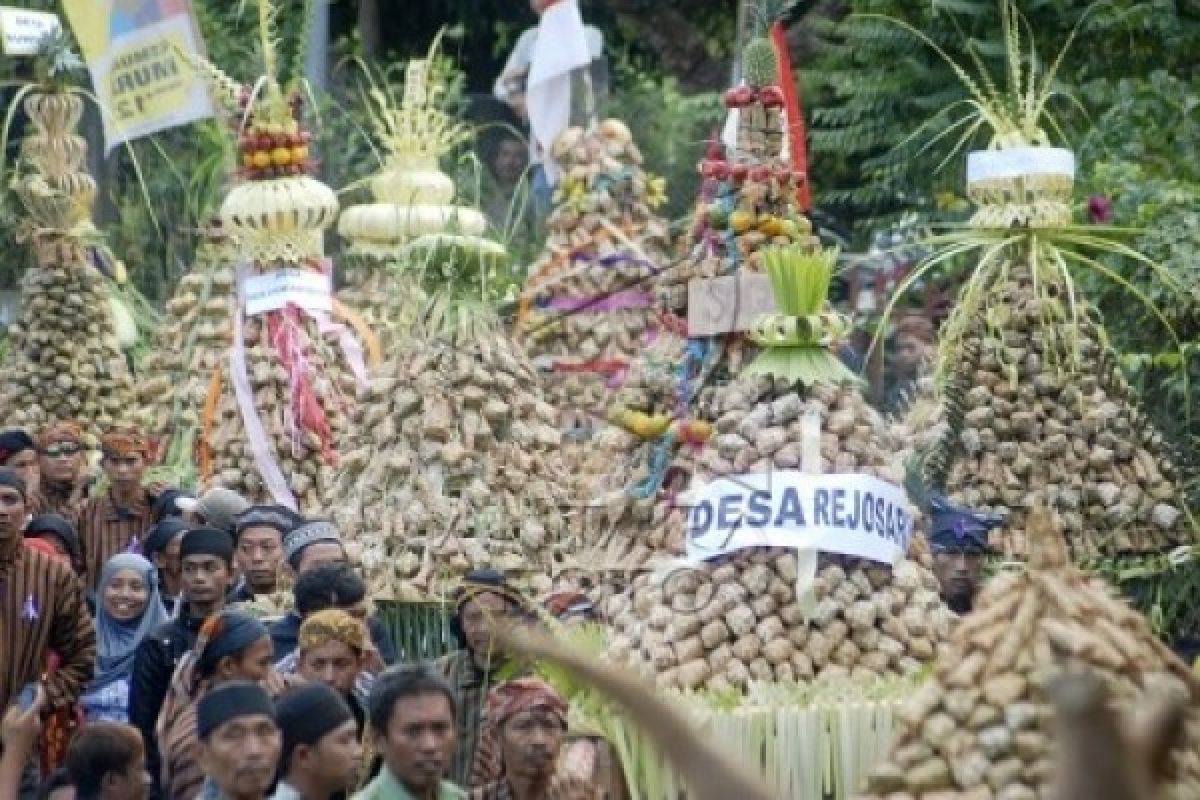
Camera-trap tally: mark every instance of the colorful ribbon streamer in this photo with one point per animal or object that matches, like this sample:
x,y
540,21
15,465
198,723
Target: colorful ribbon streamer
x,y
599,304
292,346
369,339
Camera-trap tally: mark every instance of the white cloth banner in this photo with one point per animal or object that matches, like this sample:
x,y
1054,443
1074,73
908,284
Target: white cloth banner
x,y
561,46
309,290
851,514
1018,162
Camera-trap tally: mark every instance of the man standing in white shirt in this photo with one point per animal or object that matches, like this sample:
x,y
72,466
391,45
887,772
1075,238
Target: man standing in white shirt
x,y
512,84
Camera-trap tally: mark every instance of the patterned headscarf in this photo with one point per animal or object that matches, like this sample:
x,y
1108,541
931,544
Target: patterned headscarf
x,y
523,694
123,443
63,430
332,625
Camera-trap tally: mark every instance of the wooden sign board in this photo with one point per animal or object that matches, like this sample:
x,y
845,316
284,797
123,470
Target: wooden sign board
x,y
728,304
22,31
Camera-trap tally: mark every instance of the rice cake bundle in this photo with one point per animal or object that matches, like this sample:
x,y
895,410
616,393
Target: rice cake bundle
x,y
1023,430
983,725
276,414
190,345
739,620
456,463
588,306
65,359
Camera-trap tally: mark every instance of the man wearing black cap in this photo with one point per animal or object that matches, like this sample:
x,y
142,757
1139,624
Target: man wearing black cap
x,y
57,530
258,533
162,544
206,556
19,453
239,741
484,599
322,754
959,543
41,609
167,503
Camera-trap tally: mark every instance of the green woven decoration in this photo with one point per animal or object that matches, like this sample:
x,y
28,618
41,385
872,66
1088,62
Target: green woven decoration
x,y
797,340
419,631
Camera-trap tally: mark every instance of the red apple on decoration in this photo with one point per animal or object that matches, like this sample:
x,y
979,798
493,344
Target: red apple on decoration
x,y
720,171
706,168
771,96
738,172
739,97
760,174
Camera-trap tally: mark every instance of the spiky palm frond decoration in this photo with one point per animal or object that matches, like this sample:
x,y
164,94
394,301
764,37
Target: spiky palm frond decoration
x,y
417,129
798,339
1016,115
56,59
1016,110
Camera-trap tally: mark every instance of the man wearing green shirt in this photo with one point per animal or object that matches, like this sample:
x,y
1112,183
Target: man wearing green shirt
x,y
412,715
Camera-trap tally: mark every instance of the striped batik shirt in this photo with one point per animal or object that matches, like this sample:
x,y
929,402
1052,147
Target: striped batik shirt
x,y
52,500
42,609
106,529
471,686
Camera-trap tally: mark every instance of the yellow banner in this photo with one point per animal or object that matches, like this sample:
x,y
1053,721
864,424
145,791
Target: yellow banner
x,y
132,50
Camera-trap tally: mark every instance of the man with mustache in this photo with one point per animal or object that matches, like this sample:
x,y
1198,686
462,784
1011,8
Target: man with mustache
x,y
322,754
412,717
528,723
240,741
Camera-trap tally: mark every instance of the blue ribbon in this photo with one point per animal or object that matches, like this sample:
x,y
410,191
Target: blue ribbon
x,y
660,459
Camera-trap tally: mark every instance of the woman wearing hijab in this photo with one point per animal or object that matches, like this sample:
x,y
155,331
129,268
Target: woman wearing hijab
x,y
128,608
231,646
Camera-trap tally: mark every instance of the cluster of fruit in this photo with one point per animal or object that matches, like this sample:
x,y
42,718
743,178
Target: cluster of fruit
x,y
653,425
740,171
275,149
743,96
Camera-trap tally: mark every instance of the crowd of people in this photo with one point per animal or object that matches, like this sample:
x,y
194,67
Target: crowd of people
x,y
139,661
